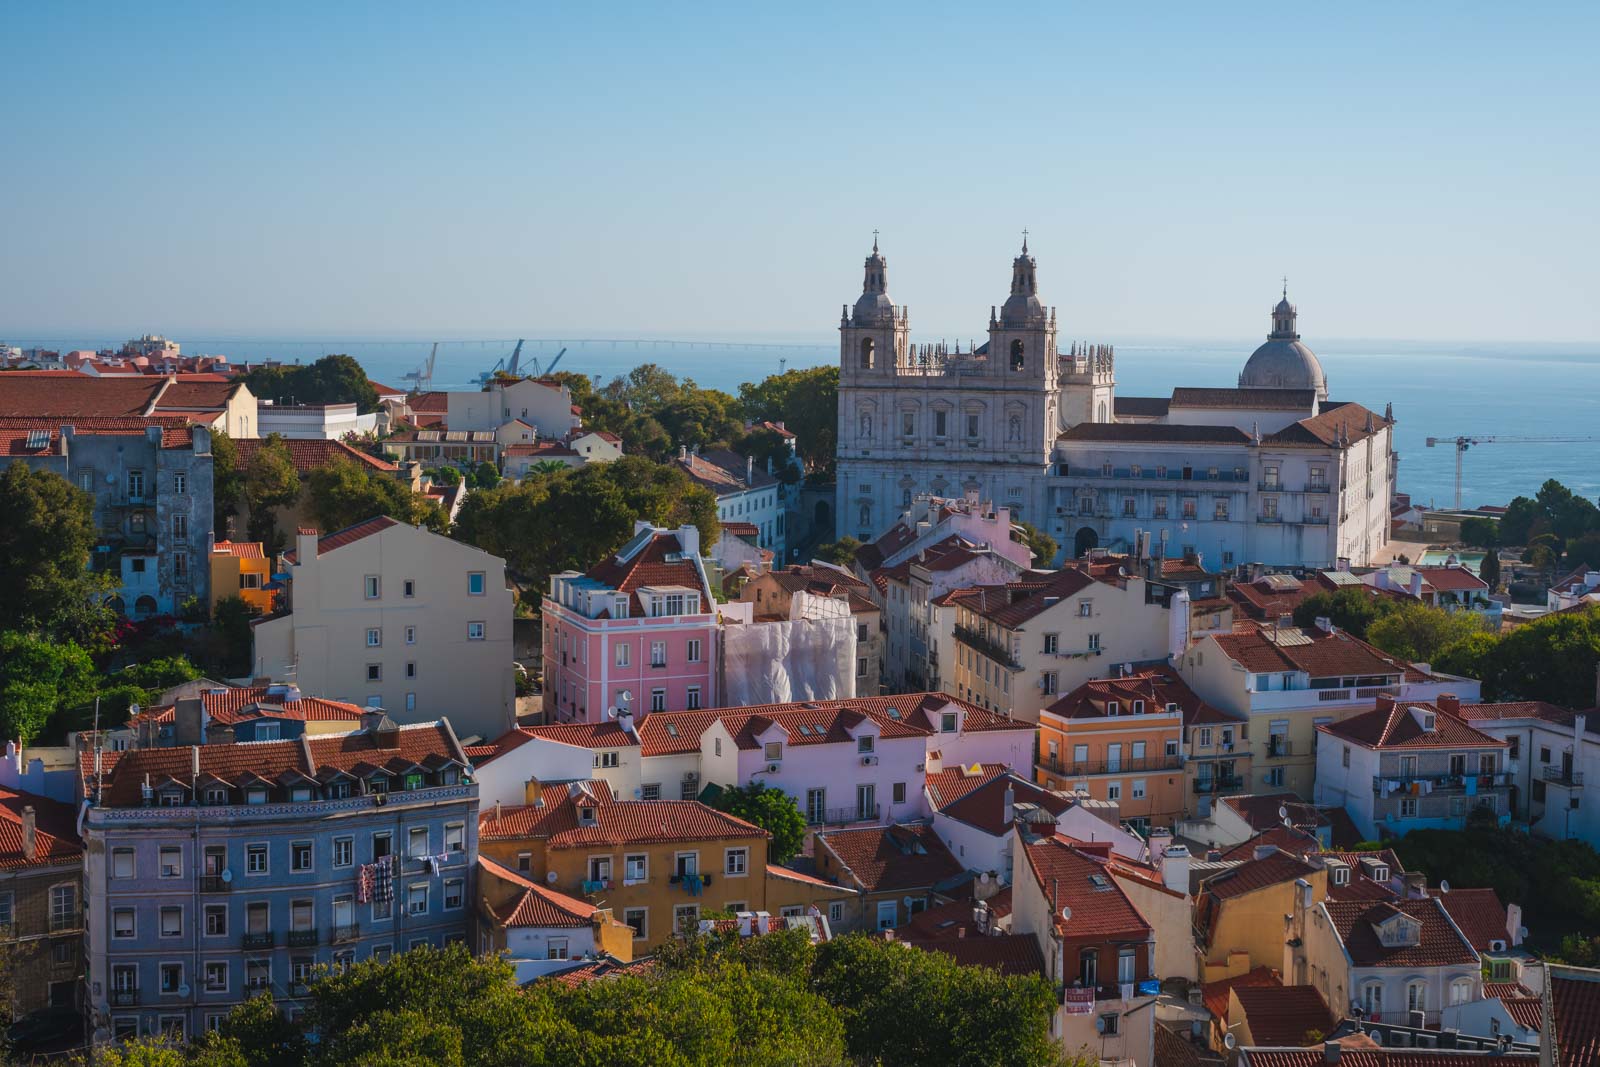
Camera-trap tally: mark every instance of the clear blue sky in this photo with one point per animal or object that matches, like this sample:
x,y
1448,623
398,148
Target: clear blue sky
x,y
1420,171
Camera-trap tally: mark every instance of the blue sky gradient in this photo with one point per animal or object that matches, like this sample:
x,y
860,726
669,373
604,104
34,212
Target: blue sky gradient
x,y
1420,171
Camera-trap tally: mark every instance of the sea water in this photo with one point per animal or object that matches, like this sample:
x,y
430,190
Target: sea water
x,y
1437,390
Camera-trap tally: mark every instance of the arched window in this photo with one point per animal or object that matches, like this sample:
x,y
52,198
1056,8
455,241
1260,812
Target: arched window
x,y
1461,991
869,353
1372,999
1017,360
1100,412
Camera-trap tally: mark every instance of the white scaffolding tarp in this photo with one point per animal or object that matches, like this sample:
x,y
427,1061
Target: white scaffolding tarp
x,y
809,656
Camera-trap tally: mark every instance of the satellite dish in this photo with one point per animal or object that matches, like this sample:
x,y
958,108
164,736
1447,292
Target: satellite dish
x,y
552,877
626,696
1444,885
1099,1024
611,713
1229,1042
1283,812
1066,913
183,991
1288,822
133,709
227,875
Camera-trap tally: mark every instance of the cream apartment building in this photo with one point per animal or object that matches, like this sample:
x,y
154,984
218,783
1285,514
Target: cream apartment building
x,y
394,616
1019,647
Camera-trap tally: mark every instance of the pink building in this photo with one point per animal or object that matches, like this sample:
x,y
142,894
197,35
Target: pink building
x,y
638,631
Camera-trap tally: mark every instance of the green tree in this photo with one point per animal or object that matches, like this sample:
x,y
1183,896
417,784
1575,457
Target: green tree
x,y
47,535
1489,570
771,809
1418,633
485,476
1518,525
40,678
841,552
547,467
446,476
1584,551
1041,544
1469,657
231,641
1480,533
343,493
227,482
270,481
333,379
964,1015
807,403
1351,609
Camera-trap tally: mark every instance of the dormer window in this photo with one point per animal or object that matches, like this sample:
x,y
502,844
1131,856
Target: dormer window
x,y
1341,875
1138,707
171,798
378,784
413,780
216,795
1380,874
864,744
586,816
255,795
1112,708
300,794
947,723
1429,722
449,776
774,751
339,790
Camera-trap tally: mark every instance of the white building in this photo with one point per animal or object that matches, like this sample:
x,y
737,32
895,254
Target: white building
x,y
745,494
545,405
1270,471
394,616
1550,752
327,422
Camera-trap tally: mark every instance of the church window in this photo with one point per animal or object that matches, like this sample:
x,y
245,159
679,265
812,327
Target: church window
x,y
1100,412
869,354
1017,357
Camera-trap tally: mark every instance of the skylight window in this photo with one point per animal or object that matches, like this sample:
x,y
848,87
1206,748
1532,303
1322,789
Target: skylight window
x,y
672,730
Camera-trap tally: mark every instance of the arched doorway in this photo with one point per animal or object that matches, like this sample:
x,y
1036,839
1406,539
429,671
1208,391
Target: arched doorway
x,y
1085,540
116,605
144,607
822,518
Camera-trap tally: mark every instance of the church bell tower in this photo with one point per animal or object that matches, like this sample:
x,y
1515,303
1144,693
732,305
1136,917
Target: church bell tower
x,y
873,333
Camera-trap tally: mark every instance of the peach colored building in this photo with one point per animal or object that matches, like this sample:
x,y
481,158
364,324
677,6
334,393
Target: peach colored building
x,y
241,569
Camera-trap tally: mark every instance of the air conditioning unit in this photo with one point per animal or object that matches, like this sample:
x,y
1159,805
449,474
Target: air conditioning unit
x,y
772,768
869,761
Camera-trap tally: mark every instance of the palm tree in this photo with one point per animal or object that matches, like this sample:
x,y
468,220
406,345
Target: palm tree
x,y
547,467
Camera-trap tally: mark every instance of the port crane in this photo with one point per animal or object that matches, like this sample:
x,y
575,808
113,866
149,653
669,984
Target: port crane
x,y
1466,441
422,377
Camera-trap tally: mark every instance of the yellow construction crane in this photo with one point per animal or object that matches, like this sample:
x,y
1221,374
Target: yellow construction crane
x,y
1466,441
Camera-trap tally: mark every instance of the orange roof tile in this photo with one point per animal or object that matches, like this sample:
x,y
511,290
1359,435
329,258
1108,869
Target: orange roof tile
x,y
55,838
556,819
891,858
1080,881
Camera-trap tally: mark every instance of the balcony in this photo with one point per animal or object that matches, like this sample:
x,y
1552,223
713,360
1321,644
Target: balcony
x,y
1271,487
1217,784
1269,520
1318,487
1441,783
299,989
344,933
304,938
1116,766
1562,775
265,939
1279,747
124,998
1313,520
692,884
975,640
213,883
842,816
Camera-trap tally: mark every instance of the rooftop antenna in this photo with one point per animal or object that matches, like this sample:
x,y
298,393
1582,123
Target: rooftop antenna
x,y
99,767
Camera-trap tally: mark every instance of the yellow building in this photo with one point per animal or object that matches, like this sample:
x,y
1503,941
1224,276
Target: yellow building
x,y
1241,910
527,921
656,864
241,569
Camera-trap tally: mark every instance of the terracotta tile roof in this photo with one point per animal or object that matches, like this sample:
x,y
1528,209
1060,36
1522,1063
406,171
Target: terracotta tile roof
x,y
125,775
1294,841
1521,709
1010,954
1317,652
740,529
1382,1057
231,706
1575,998
1156,432
1440,944
1100,909
1141,406
1215,994
198,392
789,874
584,735
1283,1015
984,806
1156,686
1173,1050
887,859
68,394
649,566
1337,419
548,449
1260,810
1394,724
1016,602
1478,913
890,543
724,472
176,431
539,906
515,737
1452,579
608,967
310,455
805,577
946,922
435,402
633,822
242,549
348,536
55,838
1255,874
950,784
1526,1012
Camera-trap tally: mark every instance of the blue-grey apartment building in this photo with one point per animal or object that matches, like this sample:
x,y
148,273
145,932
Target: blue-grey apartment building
x,y
215,871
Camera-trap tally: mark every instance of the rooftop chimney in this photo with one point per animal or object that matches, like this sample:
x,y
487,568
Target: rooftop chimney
x,y
1330,1051
1175,868
1416,584
1010,812
1449,702
1263,851
533,792
30,833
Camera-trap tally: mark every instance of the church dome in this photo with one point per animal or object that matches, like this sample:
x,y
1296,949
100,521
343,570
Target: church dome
x,y
1023,307
1284,362
873,307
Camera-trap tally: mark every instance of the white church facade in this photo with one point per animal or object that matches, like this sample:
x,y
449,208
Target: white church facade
x,y
1269,472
